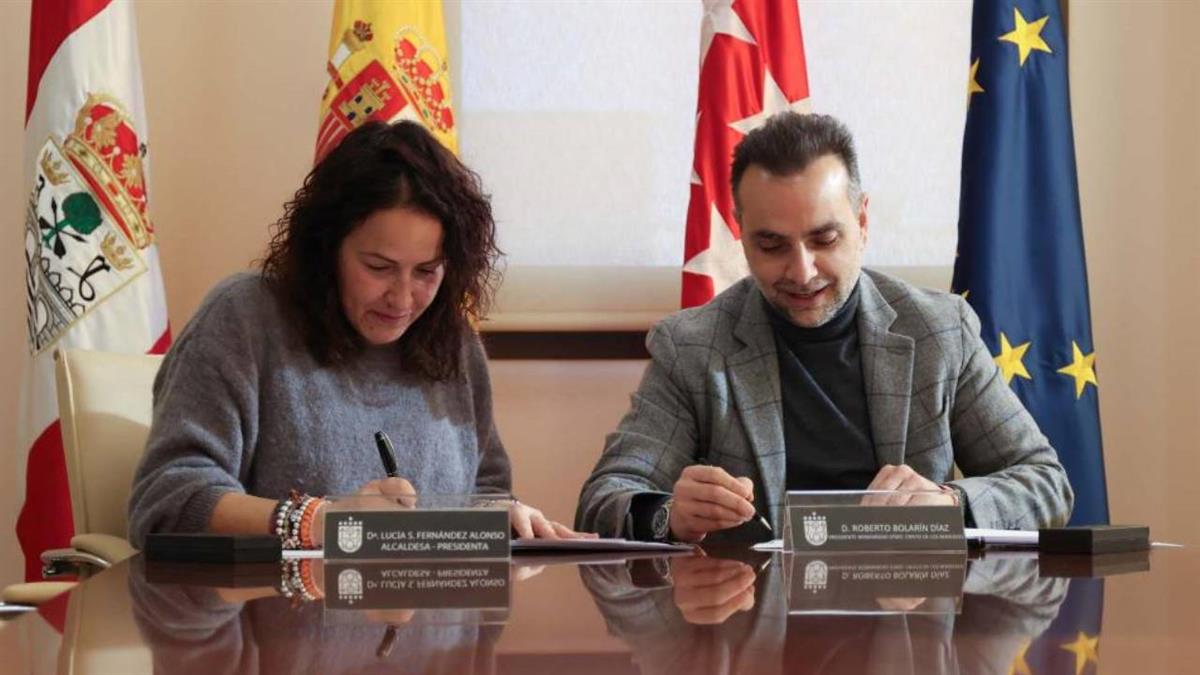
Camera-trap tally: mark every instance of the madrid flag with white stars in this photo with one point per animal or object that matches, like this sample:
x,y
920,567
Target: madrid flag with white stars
x,y
751,67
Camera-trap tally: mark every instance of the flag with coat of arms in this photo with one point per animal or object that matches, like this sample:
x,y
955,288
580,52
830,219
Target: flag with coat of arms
x,y
751,67
387,62
92,269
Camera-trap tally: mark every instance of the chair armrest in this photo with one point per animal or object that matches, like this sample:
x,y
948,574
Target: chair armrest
x,y
88,552
36,592
60,561
112,549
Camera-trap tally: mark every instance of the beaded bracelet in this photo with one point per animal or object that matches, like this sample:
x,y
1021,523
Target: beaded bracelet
x,y
280,517
296,582
293,520
307,583
308,518
286,519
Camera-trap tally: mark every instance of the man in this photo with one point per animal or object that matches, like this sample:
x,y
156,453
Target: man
x,y
812,373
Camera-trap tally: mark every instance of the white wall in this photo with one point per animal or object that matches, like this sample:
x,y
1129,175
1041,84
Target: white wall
x,y
579,115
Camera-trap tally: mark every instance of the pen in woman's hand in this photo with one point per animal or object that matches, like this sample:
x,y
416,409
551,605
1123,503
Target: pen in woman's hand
x,y
387,454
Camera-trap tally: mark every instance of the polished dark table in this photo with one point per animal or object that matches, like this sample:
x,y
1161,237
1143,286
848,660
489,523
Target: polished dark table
x,y
728,611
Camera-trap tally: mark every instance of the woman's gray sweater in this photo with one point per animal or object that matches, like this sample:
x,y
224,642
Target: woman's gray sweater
x,y
240,405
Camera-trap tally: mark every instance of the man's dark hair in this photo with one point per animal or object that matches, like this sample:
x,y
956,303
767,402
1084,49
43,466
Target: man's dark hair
x,y
382,166
789,142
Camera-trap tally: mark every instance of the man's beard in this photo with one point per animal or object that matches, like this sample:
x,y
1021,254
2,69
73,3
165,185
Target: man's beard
x,y
841,295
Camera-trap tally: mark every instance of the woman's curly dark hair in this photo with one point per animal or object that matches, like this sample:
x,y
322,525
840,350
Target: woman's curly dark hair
x,y
382,166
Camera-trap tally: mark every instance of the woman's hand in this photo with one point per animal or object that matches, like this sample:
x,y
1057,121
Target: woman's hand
x,y
529,523
398,490
382,493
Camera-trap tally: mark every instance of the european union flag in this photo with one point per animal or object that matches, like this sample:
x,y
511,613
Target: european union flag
x,y
1020,241
1071,644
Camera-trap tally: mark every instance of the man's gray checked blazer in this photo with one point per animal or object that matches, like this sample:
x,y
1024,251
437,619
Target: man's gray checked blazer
x,y
934,394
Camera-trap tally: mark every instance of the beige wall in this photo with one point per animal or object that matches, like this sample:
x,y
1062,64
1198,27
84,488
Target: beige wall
x,y
14,55
231,96
1138,147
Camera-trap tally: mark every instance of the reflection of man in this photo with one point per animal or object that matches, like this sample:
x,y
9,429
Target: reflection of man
x,y
1005,605
694,619
815,374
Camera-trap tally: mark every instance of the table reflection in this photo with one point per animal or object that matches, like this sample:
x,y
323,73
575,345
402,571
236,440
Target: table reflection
x,y
745,613
724,611
251,628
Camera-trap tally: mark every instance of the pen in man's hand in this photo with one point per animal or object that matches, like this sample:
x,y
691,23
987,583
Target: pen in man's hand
x,y
387,454
765,523
761,519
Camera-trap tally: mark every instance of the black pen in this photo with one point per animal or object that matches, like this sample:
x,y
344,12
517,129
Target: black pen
x,y
761,519
387,454
765,523
389,636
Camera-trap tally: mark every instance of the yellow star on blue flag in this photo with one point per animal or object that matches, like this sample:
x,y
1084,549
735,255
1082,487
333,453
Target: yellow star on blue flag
x,y
1084,649
1027,36
1080,368
1071,643
1020,233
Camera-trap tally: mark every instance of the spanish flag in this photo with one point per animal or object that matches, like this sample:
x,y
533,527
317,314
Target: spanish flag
x,y
387,61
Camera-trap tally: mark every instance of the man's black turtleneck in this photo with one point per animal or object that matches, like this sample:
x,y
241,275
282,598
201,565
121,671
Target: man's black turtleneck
x,y
826,426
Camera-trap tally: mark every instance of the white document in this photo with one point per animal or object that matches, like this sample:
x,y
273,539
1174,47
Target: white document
x,y
602,544
314,554
773,545
520,546
990,537
978,535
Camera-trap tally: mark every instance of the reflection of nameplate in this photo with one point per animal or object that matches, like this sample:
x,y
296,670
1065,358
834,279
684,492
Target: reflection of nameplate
x,y
417,534
417,585
839,521
876,583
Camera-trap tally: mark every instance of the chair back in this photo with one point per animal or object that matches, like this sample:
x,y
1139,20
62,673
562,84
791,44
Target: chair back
x,y
105,404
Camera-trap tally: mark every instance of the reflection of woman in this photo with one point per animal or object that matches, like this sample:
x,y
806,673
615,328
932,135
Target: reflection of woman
x,y
193,629
359,322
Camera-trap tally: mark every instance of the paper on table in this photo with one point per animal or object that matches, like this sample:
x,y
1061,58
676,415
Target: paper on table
x,y
993,537
520,546
584,545
986,536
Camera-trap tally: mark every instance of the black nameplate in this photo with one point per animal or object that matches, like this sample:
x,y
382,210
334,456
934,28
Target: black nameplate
x,y
427,585
876,528
923,583
432,534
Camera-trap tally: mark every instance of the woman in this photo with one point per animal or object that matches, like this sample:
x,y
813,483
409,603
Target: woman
x,y
359,322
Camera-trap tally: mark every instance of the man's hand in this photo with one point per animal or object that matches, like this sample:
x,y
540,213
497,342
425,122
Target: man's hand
x,y
708,499
903,477
710,590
